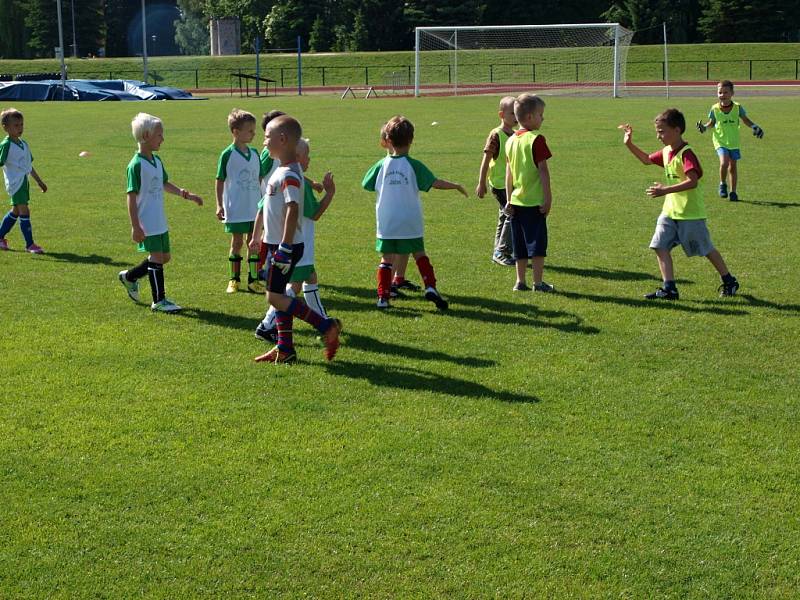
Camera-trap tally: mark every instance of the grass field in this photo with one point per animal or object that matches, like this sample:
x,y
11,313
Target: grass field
x,y
582,444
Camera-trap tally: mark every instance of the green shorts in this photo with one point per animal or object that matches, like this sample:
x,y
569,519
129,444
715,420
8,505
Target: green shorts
x,y
400,246
22,195
244,227
155,243
302,273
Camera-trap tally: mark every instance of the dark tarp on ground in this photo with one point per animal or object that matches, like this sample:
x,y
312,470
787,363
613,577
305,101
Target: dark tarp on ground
x,y
89,90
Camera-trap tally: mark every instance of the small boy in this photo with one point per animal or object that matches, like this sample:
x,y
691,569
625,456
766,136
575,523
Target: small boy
x,y
268,166
17,161
398,179
304,275
239,171
285,243
528,189
493,165
147,180
725,117
683,215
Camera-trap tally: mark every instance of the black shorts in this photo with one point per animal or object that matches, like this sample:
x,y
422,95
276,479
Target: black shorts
x,y
500,196
276,280
528,232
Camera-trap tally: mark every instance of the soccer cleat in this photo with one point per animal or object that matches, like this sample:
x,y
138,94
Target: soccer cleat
x,y
543,286
276,355
521,287
407,285
394,292
3,244
662,294
257,287
729,289
233,287
165,306
434,296
723,190
734,197
331,338
383,303
34,249
266,335
504,260
132,287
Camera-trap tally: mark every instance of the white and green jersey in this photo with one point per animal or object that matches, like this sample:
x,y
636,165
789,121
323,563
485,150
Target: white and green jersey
x,y
285,186
398,181
146,179
268,166
241,191
17,162
310,208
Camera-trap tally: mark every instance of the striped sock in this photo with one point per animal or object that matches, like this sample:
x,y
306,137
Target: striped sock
x,y
8,224
300,309
285,341
155,272
311,296
27,230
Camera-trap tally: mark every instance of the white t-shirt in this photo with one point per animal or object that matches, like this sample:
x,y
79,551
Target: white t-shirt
x,y
146,179
16,160
310,208
285,186
268,166
241,190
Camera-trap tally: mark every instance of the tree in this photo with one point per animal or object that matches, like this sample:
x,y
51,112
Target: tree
x,y
12,30
322,36
745,21
191,34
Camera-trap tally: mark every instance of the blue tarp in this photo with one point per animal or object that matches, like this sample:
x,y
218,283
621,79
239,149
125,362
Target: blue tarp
x,y
90,90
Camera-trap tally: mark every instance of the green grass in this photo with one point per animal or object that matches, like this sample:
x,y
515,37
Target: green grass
x,y
581,444
687,62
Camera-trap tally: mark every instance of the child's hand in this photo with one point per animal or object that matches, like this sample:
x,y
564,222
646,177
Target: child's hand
x,y
43,185
757,131
220,213
545,207
480,191
317,187
195,198
328,184
656,190
628,132
137,234
461,189
254,245
701,127
509,209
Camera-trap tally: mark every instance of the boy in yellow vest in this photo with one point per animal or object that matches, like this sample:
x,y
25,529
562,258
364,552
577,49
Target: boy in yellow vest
x,y
528,190
725,117
493,169
683,216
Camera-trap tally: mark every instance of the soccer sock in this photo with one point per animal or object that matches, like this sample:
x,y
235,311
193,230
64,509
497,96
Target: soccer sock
x,y
384,277
670,286
155,272
285,341
262,255
426,270
311,296
269,320
298,308
252,264
8,223
27,231
728,278
138,271
235,263
397,280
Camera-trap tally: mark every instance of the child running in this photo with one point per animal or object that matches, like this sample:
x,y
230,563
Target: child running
x,y
725,117
285,243
17,162
239,171
147,180
398,179
683,215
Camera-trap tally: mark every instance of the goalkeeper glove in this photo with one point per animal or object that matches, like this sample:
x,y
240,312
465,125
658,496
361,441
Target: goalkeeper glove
x,y
701,127
757,131
282,258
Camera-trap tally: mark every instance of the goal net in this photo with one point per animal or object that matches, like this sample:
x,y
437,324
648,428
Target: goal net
x,y
572,59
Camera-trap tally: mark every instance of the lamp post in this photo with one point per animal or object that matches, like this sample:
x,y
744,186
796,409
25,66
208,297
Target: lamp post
x,y
144,41
61,49
74,37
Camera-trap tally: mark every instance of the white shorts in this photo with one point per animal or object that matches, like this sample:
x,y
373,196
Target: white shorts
x,y
691,235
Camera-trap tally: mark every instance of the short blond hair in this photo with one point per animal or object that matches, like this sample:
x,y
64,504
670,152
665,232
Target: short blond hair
x,y
239,117
288,126
525,104
143,125
507,102
303,146
10,114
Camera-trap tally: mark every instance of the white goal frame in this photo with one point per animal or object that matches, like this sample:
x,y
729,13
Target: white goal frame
x,y
615,67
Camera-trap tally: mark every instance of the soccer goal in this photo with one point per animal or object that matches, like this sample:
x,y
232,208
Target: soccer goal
x,y
576,59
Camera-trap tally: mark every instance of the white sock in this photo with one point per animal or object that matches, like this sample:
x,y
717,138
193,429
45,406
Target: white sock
x,y
311,294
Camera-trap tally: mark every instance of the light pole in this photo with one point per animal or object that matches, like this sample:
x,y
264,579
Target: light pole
x,y
61,49
144,41
74,38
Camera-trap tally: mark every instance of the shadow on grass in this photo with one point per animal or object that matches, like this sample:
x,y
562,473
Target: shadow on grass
x,y
679,305
758,303
609,274
369,344
414,379
89,259
221,319
772,204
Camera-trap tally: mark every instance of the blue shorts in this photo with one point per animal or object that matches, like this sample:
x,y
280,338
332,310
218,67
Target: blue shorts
x,y
277,280
732,152
528,232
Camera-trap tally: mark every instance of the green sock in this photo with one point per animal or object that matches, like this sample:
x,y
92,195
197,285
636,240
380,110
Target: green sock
x,y
235,262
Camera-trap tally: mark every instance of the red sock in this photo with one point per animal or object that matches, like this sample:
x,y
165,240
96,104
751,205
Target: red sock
x,y
426,270
285,341
262,255
384,277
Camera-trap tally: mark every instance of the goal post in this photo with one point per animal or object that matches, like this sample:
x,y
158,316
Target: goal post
x,y
586,58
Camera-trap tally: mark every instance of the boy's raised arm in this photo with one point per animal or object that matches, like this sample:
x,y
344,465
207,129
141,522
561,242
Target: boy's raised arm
x,y
627,139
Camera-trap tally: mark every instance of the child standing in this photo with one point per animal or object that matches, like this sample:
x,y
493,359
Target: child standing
x,y
398,179
304,275
16,160
683,216
239,172
147,180
725,117
528,187
285,243
493,169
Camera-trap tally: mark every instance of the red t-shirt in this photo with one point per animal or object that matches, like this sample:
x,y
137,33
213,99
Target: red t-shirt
x,y
690,160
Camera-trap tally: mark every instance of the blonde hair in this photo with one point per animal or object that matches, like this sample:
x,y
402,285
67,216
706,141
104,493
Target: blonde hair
x,y
143,125
303,146
288,126
10,114
239,117
507,102
525,104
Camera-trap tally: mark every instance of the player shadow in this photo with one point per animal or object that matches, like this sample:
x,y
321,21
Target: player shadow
x,y
771,204
89,259
609,274
415,379
370,344
333,305
758,303
679,305
220,319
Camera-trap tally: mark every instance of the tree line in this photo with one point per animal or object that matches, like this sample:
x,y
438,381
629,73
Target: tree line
x,y
28,28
